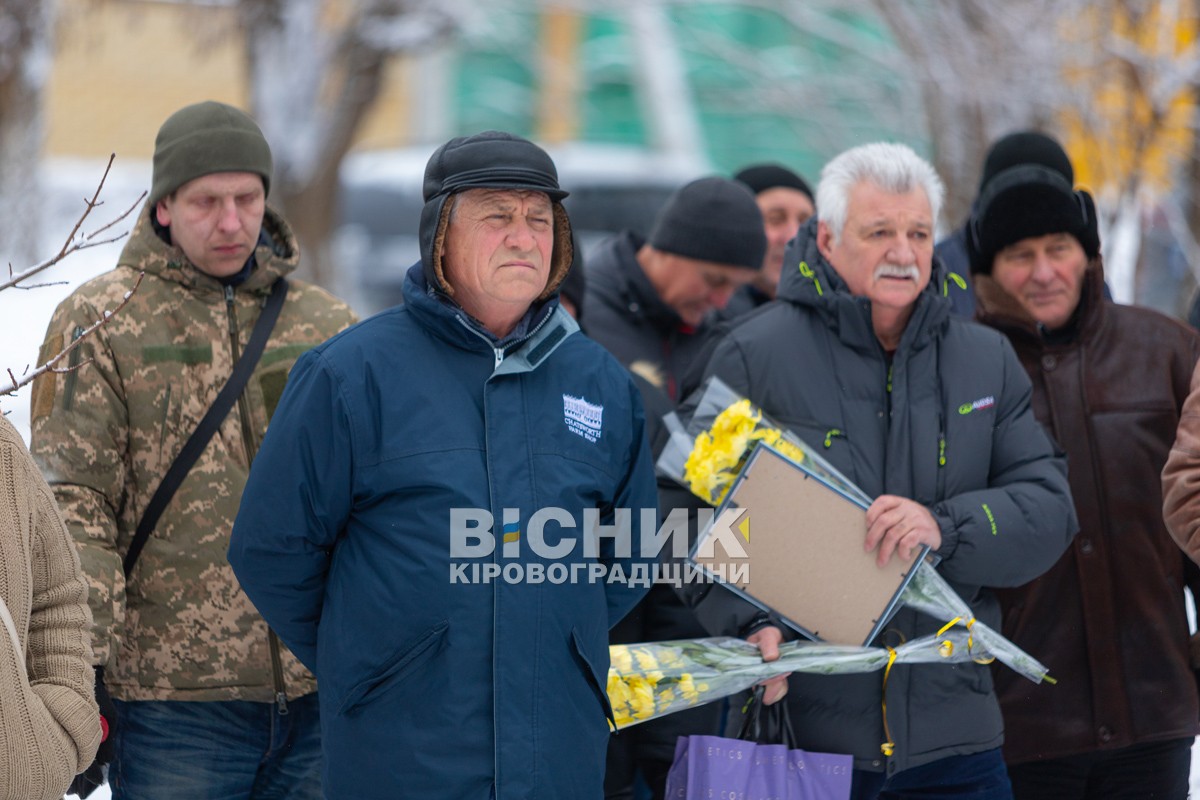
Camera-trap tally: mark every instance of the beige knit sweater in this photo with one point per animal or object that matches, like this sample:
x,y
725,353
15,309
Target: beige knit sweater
x,y
49,722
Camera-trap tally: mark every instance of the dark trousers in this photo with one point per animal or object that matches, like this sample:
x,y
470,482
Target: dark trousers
x,y
1159,770
648,749
980,776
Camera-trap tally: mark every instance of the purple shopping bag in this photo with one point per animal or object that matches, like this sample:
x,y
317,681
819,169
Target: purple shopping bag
x,y
713,766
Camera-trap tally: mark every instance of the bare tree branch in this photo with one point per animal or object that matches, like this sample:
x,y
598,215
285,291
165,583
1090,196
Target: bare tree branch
x,y
73,244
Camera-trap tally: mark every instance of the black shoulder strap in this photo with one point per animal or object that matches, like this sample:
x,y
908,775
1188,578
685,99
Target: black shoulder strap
x,y
208,426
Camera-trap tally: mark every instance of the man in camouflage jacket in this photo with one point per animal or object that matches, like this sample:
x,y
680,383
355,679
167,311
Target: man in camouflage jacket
x,y
209,703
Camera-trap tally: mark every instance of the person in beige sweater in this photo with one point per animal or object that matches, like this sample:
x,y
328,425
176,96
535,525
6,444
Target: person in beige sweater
x,y
49,721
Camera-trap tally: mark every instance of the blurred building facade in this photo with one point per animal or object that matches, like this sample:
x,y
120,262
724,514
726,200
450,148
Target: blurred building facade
x,y
654,77
698,86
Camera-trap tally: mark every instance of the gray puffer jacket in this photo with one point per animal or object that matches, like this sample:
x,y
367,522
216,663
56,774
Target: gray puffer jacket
x,y
953,392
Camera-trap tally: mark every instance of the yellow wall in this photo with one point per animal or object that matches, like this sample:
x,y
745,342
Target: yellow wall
x,y
123,66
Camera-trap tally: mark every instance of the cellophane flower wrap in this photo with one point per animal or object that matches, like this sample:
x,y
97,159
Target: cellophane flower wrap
x,y
705,454
651,680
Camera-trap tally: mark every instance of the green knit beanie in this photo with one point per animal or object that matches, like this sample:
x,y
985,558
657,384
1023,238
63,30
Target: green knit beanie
x,y
205,138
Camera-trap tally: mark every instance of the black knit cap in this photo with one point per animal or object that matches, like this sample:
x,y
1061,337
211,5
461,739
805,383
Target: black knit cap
x,y
204,138
712,219
488,160
1027,190
760,177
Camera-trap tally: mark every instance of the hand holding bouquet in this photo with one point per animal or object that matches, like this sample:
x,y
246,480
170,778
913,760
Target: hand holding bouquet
x,y
646,681
705,454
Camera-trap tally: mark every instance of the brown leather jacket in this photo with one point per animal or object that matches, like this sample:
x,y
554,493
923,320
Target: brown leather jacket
x,y
1108,619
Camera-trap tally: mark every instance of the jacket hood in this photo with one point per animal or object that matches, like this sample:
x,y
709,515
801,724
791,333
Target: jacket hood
x,y
809,280
277,255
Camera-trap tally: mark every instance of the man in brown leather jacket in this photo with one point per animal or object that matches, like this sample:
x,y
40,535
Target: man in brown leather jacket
x,y
1108,383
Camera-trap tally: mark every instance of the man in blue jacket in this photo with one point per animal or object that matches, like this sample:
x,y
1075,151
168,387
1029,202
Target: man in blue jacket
x,y
434,523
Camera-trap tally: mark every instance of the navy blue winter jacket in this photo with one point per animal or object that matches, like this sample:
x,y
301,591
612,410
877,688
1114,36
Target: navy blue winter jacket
x,y
434,683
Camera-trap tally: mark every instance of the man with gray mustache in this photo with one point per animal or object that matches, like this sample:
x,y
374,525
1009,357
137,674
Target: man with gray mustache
x,y
911,272
930,415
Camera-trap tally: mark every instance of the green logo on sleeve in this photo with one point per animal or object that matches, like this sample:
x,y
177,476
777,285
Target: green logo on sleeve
x,y
991,518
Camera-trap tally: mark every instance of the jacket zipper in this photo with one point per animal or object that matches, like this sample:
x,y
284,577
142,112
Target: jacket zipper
x,y
162,425
498,353
941,473
251,448
668,372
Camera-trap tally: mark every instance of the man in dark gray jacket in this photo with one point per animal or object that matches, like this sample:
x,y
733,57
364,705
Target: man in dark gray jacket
x,y
930,415
647,299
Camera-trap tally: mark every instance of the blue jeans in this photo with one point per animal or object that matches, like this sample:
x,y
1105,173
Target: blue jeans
x,y
233,750
980,776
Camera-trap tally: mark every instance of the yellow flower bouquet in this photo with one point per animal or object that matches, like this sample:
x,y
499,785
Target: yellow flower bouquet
x,y
707,453
646,681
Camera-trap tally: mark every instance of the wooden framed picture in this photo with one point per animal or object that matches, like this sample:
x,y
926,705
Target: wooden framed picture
x,y
793,545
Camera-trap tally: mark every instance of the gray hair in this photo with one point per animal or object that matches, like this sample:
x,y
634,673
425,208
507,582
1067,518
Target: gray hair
x,y
895,168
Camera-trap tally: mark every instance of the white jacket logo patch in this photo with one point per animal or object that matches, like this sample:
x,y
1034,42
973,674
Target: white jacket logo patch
x,y
582,418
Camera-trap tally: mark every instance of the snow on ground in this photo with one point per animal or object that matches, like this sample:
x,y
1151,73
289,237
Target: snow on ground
x,y
1194,789
25,314
103,793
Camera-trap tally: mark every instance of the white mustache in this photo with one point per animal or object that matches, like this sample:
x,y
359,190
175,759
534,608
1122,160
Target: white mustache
x,y
896,271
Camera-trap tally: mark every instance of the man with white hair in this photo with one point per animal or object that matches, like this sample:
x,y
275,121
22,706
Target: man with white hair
x,y
930,415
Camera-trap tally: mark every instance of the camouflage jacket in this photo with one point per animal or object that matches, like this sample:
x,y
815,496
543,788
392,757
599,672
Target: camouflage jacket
x,y
105,435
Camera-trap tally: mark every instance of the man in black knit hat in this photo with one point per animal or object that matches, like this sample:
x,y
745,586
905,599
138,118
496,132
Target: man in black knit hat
x,y
953,249
786,202
1109,380
647,299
